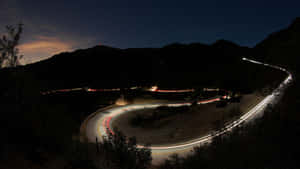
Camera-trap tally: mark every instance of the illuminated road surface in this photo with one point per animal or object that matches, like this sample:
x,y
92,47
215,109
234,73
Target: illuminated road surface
x,y
99,125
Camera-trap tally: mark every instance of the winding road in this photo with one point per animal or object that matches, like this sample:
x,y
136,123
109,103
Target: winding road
x,y
98,124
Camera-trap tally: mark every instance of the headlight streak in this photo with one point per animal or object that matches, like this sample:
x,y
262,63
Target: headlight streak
x,y
104,120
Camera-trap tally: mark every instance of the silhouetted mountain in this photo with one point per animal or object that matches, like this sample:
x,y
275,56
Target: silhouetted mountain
x,y
282,47
224,43
175,65
232,49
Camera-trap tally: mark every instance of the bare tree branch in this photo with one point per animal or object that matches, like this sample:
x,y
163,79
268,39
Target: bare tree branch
x,y
9,53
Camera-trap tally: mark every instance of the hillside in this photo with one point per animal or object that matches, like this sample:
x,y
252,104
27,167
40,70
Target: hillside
x,y
282,47
172,66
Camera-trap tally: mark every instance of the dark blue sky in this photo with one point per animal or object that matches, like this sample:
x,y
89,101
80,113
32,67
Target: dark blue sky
x,y
55,26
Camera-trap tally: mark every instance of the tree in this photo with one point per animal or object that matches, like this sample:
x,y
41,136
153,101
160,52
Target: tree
x,y
9,53
118,151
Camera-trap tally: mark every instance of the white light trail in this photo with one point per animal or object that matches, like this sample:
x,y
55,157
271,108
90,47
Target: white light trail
x,y
97,126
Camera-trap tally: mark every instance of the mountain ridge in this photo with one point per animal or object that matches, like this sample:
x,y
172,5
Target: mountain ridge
x,y
282,47
174,64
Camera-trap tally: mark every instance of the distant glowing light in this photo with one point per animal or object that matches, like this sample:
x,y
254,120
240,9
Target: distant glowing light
x,y
153,88
121,101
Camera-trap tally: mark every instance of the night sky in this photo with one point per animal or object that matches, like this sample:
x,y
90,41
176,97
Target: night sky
x,y
55,26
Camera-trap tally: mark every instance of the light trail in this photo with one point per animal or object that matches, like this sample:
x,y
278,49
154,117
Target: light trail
x,y
155,89
82,89
99,125
103,90
60,91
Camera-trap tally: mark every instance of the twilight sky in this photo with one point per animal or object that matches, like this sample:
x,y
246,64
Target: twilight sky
x,y
55,26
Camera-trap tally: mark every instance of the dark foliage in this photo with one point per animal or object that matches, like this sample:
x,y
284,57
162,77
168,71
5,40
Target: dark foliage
x,y
9,53
118,151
